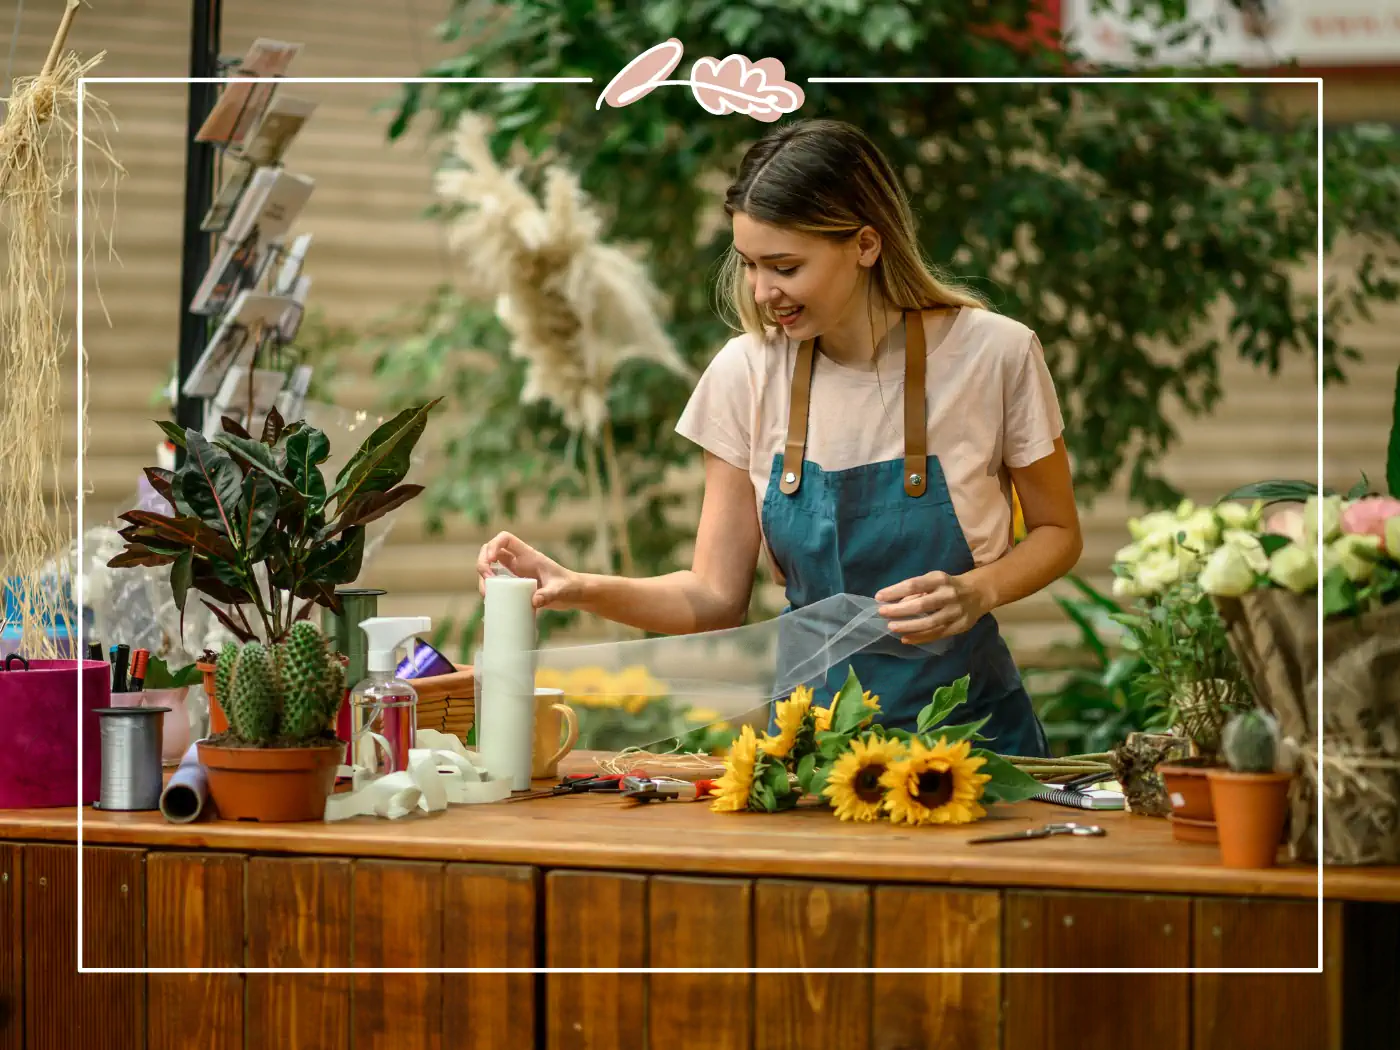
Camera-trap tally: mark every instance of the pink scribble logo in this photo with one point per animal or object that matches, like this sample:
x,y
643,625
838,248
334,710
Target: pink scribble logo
x,y
734,85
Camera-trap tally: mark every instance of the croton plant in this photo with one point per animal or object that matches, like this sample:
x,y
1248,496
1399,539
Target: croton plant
x,y
242,504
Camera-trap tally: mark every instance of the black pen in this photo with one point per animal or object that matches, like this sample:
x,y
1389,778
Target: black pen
x,y
119,669
94,650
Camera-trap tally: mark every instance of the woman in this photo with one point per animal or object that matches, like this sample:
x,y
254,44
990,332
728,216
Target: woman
x,y
807,454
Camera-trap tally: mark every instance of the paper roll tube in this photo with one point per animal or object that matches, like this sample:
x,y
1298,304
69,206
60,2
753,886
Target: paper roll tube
x,y
183,798
506,714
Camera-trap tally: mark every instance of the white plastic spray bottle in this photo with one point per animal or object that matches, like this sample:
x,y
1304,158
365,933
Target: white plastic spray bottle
x,y
383,707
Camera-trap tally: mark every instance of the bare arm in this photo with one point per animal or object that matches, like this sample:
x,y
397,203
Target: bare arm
x,y
938,605
1053,540
711,595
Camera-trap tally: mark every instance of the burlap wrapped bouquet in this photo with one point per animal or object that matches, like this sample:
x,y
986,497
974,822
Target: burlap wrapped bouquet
x,y
1274,632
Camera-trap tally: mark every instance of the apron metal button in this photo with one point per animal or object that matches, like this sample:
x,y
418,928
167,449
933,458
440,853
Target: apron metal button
x,y
789,477
916,479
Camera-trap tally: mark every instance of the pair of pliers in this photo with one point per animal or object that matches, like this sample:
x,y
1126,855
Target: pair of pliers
x,y
575,784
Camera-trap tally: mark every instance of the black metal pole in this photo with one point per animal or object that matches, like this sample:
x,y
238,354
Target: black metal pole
x,y
197,248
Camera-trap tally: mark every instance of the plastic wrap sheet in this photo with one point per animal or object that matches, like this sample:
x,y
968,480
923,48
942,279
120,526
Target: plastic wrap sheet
x,y
691,693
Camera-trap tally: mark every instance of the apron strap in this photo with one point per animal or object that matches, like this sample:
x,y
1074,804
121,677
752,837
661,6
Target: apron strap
x,y
915,420
796,448
915,423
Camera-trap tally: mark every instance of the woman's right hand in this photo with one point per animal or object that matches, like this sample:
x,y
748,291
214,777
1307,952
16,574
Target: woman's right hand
x,y
557,587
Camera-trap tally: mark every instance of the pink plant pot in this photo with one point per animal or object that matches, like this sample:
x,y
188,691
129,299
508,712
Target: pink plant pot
x,y
39,710
176,738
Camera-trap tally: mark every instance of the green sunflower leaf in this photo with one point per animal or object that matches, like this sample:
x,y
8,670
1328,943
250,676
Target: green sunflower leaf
x,y
831,744
946,698
775,777
1008,784
817,784
850,709
805,769
954,734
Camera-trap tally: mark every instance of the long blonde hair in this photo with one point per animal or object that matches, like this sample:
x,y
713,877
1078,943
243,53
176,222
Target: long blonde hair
x,y
826,177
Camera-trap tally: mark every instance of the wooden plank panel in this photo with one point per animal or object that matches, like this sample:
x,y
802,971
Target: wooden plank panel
x,y
1257,932
62,1007
488,919
699,923
818,925
11,947
298,914
916,927
397,919
194,906
1093,1011
595,920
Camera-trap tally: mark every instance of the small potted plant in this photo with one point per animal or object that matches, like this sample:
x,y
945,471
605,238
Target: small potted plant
x,y
277,760
256,526
1251,796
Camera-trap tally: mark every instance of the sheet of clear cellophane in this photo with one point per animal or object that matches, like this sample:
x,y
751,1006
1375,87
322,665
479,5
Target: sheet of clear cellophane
x,y
686,696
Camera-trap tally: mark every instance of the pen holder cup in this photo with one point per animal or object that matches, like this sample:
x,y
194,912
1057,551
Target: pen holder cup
x,y
39,709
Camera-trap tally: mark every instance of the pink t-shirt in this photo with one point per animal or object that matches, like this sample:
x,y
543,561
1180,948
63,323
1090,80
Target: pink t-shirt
x,y
991,404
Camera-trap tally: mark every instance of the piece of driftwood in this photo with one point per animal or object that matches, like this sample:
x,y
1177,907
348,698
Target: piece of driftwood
x,y
1274,633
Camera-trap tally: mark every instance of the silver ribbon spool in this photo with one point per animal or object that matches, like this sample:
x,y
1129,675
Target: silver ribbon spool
x,y
131,757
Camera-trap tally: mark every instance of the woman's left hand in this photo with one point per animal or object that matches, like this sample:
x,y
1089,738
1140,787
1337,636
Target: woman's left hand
x,y
935,605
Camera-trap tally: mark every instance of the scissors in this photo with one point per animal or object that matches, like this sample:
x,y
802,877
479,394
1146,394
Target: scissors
x,y
575,784
1043,832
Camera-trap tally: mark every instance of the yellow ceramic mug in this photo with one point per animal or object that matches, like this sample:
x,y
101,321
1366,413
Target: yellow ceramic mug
x,y
551,715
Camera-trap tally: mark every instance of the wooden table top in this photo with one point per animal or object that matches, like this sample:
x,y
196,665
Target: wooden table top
x,y
600,831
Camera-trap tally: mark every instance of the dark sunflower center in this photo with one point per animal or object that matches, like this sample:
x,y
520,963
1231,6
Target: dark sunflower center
x,y
935,788
867,786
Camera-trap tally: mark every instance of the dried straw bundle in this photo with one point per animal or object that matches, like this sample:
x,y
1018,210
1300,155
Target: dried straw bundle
x,y
37,163
576,308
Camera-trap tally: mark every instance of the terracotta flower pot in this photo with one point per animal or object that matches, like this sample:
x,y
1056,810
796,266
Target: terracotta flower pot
x,y
1249,814
217,720
270,783
1188,789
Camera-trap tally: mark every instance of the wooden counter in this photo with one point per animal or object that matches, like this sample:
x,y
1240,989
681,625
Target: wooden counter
x,y
588,881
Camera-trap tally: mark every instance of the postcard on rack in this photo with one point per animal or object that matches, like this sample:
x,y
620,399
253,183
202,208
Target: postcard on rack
x,y
253,316
244,99
291,402
262,385
292,318
292,260
230,193
266,211
280,124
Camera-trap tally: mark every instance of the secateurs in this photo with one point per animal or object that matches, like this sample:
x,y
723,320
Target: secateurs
x,y
641,788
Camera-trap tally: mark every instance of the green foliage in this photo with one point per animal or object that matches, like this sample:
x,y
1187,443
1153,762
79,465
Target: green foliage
x,y
242,504
1097,696
1110,218
160,676
1189,668
1249,742
283,695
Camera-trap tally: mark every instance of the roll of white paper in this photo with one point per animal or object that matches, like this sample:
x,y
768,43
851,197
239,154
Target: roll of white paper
x,y
506,707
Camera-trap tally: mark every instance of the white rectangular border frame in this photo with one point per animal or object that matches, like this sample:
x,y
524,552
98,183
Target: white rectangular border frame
x,y
81,356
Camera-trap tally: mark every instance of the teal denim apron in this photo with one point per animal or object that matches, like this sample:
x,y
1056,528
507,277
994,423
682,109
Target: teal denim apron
x,y
857,531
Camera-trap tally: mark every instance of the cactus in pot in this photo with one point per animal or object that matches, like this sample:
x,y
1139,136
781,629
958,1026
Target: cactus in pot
x,y
1250,742
284,695
282,700
1251,796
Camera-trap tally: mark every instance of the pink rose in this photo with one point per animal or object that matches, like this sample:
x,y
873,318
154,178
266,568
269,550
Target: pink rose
x,y
1367,517
1286,522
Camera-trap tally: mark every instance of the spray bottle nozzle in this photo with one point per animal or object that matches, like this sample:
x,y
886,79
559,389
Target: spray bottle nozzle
x,y
387,633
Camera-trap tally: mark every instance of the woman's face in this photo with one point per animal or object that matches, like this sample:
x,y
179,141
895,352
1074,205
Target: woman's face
x,y
808,283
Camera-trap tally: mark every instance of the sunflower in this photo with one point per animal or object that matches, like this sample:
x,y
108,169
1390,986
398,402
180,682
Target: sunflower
x,y
935,785
731,791
854,785
791,713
